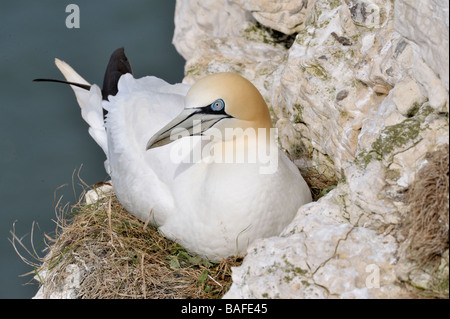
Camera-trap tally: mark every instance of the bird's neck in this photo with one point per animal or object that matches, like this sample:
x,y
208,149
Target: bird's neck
x,y
246,143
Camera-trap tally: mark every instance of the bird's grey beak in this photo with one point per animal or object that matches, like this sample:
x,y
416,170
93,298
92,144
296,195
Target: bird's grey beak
x,y
189,122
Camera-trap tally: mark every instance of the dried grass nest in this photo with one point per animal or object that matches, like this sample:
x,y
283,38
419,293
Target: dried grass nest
x,y
426,225
121,257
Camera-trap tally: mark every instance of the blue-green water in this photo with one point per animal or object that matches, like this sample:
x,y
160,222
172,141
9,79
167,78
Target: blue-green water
x,y
43,138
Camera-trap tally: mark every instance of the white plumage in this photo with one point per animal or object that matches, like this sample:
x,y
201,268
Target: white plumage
x,y
213,209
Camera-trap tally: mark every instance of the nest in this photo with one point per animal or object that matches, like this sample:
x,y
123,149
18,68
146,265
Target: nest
x,y
426,226
318,183
118,256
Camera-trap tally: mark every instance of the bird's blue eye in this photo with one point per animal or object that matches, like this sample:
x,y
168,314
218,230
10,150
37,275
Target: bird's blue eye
x,y
218,105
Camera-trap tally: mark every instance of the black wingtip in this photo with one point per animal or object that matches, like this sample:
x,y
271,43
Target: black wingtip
x,y
117,66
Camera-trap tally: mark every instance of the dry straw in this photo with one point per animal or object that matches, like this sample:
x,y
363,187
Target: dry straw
x,y
426,226
118,256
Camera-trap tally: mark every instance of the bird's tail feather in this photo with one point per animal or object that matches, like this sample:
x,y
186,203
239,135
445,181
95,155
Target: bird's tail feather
x,y
90,102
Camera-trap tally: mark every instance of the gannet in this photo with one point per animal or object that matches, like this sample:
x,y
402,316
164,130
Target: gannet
x,y
209,190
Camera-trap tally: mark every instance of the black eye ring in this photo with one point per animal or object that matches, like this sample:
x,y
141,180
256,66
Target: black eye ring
x,y
217,105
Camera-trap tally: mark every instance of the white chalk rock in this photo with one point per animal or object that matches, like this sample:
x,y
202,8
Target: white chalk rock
x,y
66,289
359,93
286,16
320,257
92,196
426,23
198,20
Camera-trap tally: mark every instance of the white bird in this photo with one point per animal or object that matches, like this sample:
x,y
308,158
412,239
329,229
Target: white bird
x,y
213,191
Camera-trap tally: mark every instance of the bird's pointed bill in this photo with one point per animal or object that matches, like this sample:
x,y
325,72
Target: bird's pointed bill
x,y
190,122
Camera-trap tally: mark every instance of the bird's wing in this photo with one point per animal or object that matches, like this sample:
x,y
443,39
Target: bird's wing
x,y
141,107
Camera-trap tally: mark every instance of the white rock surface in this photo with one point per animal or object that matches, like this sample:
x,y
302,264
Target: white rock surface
x,y
205,19
426,23
67,289
359,94
286,16
320,257
93,195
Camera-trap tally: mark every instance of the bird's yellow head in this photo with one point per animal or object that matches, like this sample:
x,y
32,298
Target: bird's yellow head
x,y
218,100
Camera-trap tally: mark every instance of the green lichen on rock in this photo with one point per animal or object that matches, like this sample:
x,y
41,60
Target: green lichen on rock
x,y
292,270
317,71
393,137
335,3
195,71
396,138
413,109
289,270
392,174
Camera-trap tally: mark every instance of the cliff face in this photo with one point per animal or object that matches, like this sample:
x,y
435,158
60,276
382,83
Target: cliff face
x,y
358,90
